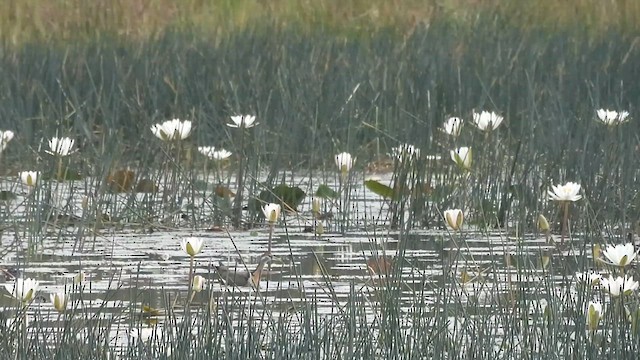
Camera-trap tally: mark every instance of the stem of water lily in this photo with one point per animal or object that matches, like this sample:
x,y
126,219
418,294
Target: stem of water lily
x,y
59,174
237,204
565,221
271,226
191,277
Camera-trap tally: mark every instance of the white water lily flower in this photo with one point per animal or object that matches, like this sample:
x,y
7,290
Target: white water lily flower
x,y
172,130
243,121
405,151
610,117
192,245
212,153
198,283
29,178
271,212
453,126
566,192
619,285
5,137
620,255
344,162
463,157
59,301
454,218
589,277
23,289
594,313
61,146
487,120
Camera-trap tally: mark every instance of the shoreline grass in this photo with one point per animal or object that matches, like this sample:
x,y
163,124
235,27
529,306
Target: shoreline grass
x,y
69,21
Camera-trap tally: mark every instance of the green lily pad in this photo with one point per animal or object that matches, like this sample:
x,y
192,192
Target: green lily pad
x,y
379,189
6,195
325,192
288,197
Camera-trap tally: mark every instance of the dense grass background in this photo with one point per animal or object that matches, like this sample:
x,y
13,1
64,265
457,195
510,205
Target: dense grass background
x,y
325,77
317,93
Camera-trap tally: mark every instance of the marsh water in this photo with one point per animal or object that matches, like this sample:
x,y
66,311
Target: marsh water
x,y
128,266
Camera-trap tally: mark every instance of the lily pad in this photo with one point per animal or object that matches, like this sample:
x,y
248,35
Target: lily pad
x,y
121,181
6,195
288,197
146,186
379,189
325,192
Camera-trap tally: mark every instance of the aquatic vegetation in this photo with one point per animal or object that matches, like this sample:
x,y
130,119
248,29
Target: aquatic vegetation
x,y
619,286
61,146
192,246
453,126
59,301
486,120
29,178
214,153
463,157
611,117
23,289
5,137
568,192
243,121
454,218
344,162
271,212
171,130
620,255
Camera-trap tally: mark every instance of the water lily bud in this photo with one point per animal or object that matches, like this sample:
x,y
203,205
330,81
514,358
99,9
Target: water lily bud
x,y
192,246
271,212
198,283
462,157
79,278
59,301
594,313
315,207
344,162
29,178
454,218
543,224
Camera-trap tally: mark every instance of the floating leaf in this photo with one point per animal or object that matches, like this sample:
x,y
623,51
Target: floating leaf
x,y
379,189
289,197
146,186
223,192
6,195
325,192
121,180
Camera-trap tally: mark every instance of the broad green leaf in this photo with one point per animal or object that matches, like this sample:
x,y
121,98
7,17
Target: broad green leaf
x,y
325,192
379,189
